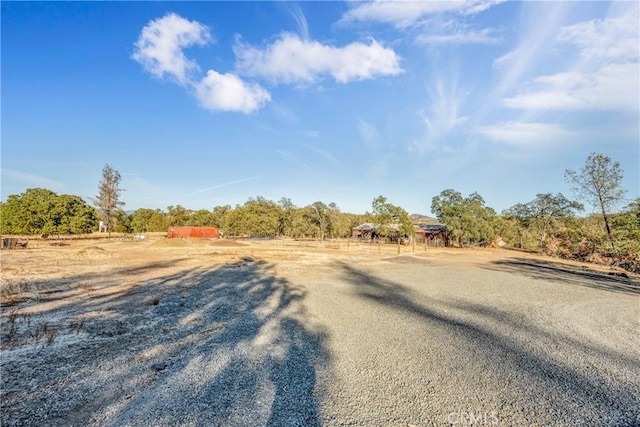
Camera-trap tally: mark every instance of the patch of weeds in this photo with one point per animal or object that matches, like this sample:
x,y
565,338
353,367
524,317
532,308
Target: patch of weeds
x,y
45,333
114,329
76,325
10,289
13,327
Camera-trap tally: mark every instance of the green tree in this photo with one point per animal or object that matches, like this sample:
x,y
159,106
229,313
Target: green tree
x,y
544,212
219,215
599,182
256,218
285,220
391,221
323,217
140,220
201,218
108,199
177,215
301,224
158,221
626,225
148,220
122,222
468,220
38,211
71,215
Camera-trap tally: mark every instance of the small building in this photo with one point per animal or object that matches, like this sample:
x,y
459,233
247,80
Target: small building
x,y
431,234
366,231
193,232
369,232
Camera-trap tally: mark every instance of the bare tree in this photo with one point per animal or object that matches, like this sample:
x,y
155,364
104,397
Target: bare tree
x,y
599,183
107,200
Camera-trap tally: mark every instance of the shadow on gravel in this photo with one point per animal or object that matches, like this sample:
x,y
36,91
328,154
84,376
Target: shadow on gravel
x,y
565,273
551,382
43,289
224,346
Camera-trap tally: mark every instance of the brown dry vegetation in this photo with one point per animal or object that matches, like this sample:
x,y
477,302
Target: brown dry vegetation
x,y
51,274
61,304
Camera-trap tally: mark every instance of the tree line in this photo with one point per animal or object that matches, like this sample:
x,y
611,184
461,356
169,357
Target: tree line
x,y
550,222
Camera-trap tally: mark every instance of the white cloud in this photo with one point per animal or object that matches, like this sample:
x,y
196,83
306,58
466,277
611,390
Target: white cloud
x,y
612,38
160,46
293,60
403,14
484,36
522,134
605,75
160,50
540,26
613,87
227,92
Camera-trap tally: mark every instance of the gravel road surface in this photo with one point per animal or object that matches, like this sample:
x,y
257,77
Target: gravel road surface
x,y
332,340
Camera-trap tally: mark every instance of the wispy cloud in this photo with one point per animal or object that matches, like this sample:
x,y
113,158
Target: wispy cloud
x,y
298,16
312,134
33,179
322,153
460,36
295,160
443,114
605,75
539,27
227,184
436,22
369,135
527,135
291,59
403,14
160,51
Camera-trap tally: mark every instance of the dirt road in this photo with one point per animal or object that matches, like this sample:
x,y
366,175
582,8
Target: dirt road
x,y
234,334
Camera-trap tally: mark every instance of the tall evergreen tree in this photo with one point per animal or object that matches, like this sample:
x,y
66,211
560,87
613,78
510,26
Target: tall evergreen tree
x,y
108,199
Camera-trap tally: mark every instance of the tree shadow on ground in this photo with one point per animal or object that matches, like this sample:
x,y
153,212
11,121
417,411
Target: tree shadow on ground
x,y
568,274
229,345
512,350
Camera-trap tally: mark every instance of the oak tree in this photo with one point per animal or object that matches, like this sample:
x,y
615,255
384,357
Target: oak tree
x,y
599,182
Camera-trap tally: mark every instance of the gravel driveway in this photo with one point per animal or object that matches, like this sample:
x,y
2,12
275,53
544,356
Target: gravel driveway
x,y
332,340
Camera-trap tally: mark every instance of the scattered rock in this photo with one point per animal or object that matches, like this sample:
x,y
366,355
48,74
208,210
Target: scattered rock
x,y
247,259
161,366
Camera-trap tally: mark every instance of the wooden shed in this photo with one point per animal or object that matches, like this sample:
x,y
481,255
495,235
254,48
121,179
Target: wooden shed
x,y
431,234
193,232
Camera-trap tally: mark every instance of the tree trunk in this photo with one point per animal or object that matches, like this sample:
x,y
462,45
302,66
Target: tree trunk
x,y
606,225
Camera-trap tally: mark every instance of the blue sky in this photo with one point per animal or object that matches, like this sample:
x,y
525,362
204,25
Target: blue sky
x,y
210,103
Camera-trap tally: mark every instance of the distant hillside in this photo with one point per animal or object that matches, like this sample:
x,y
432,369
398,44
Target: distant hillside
x,y
423,219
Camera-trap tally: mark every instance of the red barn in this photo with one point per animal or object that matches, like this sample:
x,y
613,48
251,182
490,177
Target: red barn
x,y
197,232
